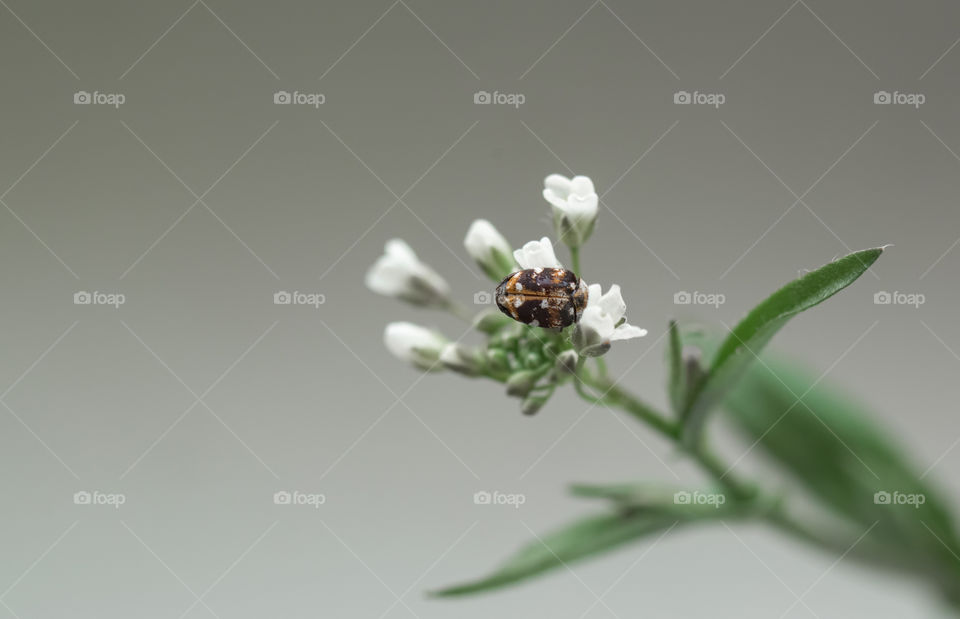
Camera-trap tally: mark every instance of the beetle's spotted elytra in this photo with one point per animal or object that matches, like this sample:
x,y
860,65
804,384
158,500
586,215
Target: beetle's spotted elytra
x,y
543,297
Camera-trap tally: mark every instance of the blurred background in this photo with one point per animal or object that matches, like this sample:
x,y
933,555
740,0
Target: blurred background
x,y
177,164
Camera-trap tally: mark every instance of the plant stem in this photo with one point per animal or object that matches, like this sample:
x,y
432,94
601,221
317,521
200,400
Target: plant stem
x,y
614,395
575,260
643,411
719,470
580,381
601,366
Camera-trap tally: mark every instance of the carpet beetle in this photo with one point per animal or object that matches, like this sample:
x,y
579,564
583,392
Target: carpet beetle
x,y
543,297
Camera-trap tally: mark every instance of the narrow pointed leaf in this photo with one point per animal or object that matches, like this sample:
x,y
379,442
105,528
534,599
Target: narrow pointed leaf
x,y
676,385
598,534
830,445
746,340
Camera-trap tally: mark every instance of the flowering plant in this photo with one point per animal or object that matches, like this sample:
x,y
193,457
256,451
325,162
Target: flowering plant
x,y
847,472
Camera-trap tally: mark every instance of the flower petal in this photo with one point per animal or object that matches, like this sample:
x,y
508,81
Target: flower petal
x,y
581,186
399,273
414,344
537,254
626,332
558,185
612,303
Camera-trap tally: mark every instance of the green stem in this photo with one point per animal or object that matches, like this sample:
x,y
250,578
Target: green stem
x,y
642,411
615,396
601,366
580,384
745,495
575,260
719,470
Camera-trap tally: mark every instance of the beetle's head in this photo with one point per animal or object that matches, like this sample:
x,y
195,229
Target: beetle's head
x,y
580,297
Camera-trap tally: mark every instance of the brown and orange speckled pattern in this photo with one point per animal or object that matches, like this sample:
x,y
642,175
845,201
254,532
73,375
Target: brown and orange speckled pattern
x,y
548,298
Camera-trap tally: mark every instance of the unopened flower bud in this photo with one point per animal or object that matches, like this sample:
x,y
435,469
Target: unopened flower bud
x,y
497,360
520,383
415,344
490,250
491,321
531,405
399,273
574,202
461,359
567,361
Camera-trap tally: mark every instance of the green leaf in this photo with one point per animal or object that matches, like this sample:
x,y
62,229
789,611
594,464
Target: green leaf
x,y
679,502
651,509
746,340
676,385
578,540
829,444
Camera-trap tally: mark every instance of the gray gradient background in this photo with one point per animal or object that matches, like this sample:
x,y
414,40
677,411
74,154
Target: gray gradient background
x,y
95,397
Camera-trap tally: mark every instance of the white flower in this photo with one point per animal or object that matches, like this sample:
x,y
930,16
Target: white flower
x,y
603,322
574,203
490,249
414,344
399,273
537,254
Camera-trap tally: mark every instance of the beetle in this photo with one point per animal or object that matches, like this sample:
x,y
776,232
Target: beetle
x,y
543,297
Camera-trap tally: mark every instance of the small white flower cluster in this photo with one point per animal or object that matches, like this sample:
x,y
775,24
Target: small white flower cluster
x,y
516,354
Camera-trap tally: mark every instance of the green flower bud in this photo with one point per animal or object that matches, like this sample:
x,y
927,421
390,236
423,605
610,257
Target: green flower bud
x,y
567,361
490,250
520,383
533,359
497,360
460,359
533,404
491,321
574,202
